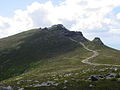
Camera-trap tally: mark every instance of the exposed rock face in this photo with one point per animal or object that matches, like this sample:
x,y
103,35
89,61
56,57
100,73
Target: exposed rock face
x,y
58,27
108,76
94,78
97,41
111,75
6,88
73,33
76,35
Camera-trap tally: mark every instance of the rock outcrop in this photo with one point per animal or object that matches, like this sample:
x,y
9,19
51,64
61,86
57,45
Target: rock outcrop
x,y
97,41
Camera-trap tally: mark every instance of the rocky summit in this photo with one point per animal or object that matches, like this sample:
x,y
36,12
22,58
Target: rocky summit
x,y
97,41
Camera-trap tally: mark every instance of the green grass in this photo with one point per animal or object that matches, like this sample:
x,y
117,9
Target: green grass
x,y
61,64
45,55
19,51
55,68
108,56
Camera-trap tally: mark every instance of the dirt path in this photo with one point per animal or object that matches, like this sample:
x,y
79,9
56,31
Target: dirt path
x,y
95,54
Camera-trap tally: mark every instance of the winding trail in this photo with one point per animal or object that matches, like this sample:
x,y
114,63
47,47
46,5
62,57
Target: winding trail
x,y
95,54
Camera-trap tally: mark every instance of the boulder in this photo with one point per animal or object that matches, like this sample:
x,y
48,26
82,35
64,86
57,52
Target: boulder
x,y
111,75
6,88
94,78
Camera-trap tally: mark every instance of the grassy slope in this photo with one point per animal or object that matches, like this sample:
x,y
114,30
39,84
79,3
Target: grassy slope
x,y
19,51
65,63
54,68
107,55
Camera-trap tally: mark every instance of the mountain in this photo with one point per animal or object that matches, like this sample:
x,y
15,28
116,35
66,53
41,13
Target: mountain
x,y
18,51
54,54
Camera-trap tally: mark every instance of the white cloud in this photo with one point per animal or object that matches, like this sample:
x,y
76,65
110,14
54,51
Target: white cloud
x,y
118,16
115,30
89,16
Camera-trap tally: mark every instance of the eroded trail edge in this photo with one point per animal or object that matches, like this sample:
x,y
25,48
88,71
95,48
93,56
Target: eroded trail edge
x,y
95,54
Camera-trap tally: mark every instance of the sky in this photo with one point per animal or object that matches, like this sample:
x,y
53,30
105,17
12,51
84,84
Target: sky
x,y
95,18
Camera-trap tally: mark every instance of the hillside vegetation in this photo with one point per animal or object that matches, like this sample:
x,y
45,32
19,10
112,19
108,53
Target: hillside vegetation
x,y
18,51
47,59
